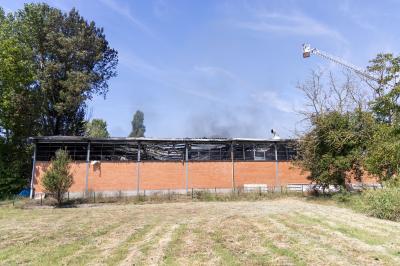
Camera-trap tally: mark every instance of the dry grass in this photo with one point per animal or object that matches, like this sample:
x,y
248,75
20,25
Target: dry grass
x,y
273,232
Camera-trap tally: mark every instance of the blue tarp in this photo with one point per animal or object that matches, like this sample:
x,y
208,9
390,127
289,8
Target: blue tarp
x,y
24,193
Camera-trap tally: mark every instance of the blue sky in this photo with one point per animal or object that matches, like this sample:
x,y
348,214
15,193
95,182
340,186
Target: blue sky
x,y
227,68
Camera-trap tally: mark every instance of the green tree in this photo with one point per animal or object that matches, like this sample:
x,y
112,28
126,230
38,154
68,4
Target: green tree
x,y
73,62
383,153
97,128
57,180
387,91
18,107
138,127
51,64
335,147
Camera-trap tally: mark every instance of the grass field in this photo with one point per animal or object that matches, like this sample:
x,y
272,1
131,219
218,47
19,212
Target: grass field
x,y
273,232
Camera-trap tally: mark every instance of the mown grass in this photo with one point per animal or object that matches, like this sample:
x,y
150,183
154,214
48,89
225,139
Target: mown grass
x,y
350,231
121,251
174,246
280,231
226,256
286,252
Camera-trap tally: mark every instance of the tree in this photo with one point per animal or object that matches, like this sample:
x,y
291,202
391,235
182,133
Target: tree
x,y
58,179
335,146
340,127
51,64
18,108
97,128
73,62
387,91
325,92
138,127
382,155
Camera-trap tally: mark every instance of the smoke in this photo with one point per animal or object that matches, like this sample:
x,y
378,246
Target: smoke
x,y
232,122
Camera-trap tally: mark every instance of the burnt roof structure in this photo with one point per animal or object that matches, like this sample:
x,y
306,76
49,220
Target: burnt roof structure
x,y
165,149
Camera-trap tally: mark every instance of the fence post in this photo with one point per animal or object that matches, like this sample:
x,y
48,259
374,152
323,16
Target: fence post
x,y
277,183
87,169
41,199
233,167
94,196
187,168
31,194
138,172
192,193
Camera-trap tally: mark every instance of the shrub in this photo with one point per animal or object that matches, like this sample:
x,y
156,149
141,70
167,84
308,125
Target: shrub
x,y
383,203
58,179
342,197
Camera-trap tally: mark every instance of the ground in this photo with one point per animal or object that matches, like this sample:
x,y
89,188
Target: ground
x,y
274,232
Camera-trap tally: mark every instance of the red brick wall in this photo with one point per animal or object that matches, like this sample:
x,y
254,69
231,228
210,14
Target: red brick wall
x,y
254,173
112,176
162,175
115,176
210,174
78,170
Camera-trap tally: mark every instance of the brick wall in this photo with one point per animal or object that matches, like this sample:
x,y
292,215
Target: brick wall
x,y
115,176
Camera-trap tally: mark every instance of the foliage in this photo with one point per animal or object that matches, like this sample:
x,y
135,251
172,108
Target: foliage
x,y
387,92
383,152
73,61
17,108
138,127
97,128
383,203
58,179
14,163
51,64
334,147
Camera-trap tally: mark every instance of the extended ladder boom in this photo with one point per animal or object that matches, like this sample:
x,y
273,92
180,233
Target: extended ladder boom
x,y
307,51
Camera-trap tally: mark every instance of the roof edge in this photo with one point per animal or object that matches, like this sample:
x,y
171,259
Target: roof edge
x,y
43,139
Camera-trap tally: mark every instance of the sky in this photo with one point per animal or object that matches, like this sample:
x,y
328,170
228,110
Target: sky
x,y
225,68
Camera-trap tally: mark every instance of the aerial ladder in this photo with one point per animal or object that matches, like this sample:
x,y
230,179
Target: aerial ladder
x,y
308,51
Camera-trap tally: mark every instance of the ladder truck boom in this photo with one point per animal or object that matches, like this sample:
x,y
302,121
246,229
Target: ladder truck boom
x,y
308,51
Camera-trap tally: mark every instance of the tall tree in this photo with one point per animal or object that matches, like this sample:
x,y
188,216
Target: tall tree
x,y
340,127
138,127
18,107
51,64
73,61
387,91
383,156
97,128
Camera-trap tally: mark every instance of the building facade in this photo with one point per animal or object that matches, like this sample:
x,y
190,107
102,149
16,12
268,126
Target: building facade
x,y
142,165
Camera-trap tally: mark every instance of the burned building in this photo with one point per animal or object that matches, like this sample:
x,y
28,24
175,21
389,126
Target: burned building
x,y
135,165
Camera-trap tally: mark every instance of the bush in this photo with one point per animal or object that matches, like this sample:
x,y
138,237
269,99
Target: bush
x,y
383,203
57,180
342,197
